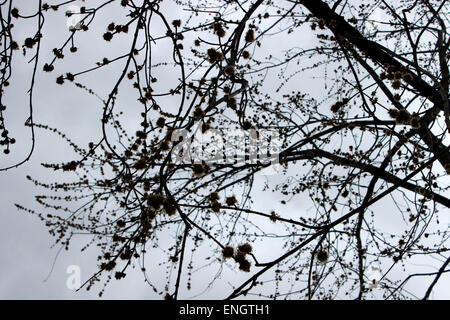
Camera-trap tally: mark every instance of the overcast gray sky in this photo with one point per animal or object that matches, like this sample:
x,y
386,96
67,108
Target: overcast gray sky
x,y
30,268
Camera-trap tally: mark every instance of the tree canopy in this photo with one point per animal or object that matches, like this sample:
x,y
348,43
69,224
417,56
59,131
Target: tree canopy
x,y
335,111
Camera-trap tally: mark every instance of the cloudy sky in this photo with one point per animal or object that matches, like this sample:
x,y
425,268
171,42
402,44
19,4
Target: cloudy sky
x,y
30,268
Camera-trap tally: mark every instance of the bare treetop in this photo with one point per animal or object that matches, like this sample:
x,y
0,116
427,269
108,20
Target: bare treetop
x,y
337,112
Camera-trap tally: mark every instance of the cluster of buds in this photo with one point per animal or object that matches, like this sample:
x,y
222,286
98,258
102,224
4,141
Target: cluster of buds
x,y
240,256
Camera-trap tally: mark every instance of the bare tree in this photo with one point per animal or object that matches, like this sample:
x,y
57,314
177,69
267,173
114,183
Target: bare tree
x,y
374,133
